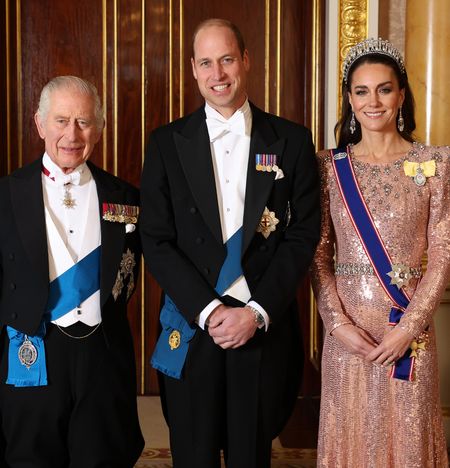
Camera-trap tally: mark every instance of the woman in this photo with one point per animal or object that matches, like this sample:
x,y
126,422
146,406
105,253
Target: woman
x,y
385,201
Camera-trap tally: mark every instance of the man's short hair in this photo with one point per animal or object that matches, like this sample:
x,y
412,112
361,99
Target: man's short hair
x,y
224,24
71,82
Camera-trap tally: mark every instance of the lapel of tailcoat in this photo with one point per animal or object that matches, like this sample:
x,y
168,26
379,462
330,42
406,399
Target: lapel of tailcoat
x,y
112,234
194,152
264,140
28,206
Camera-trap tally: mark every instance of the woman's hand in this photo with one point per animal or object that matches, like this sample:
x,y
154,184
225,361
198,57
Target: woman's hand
x,y
355,340
394,345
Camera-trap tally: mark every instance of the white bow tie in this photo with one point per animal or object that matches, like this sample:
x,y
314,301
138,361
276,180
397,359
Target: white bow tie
x,y
63,179
218,128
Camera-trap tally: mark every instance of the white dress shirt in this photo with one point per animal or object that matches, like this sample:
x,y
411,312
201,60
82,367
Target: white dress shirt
x,y
70,231
230,148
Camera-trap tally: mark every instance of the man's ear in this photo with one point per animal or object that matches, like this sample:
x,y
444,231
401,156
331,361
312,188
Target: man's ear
x,y
39,125
193,67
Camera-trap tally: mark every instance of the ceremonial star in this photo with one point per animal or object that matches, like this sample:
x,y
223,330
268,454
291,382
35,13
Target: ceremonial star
x,y
268,223
400,275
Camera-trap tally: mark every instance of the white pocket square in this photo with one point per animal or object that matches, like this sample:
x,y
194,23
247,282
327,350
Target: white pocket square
x,y
280,174
129,228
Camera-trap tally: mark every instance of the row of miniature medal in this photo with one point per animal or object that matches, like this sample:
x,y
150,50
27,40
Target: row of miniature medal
x,y
266,162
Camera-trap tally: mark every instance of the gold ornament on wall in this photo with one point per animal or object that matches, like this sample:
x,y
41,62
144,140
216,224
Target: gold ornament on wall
x,y
353,28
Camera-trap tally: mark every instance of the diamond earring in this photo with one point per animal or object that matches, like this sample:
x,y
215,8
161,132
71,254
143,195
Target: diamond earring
x,y
401,121
352,124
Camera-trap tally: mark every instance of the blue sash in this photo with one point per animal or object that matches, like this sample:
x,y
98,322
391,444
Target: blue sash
x,y
171,349
66,292
374,247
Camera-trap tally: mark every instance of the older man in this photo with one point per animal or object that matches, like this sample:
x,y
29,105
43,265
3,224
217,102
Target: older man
x,y
69,256
230,222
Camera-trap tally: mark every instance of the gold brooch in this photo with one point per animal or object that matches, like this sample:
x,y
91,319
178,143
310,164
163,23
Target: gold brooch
x,y
174,340
268,223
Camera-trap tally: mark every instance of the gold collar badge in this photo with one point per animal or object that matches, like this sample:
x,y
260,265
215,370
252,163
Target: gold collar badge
x,y
267,223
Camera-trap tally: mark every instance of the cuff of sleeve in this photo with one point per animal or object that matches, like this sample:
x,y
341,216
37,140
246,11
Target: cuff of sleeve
x,y
411,329
256,306
206,312
337,325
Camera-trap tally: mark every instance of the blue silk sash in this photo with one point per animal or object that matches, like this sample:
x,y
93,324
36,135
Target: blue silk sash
x,y
172,347
66,292
374,247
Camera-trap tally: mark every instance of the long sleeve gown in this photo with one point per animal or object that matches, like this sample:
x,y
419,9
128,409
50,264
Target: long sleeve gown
x,y
369,419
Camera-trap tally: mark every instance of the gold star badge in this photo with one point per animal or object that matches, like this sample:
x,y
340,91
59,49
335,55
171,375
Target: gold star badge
x,y
268,223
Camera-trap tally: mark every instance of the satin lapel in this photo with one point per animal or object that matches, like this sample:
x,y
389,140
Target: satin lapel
x,y
194,152
113,234
259,184
28,206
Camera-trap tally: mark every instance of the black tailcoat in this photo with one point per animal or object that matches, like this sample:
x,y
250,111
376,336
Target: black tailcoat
x,y
24,273
183,248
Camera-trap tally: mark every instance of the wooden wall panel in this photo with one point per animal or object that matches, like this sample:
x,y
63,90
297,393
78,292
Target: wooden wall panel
x,y
4,85
137,53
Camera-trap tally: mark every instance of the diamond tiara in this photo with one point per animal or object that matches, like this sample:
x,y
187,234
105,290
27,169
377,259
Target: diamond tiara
x,y
372,46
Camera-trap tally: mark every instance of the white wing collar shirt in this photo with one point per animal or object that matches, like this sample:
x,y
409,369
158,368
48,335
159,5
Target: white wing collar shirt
x,y
230,147
73,229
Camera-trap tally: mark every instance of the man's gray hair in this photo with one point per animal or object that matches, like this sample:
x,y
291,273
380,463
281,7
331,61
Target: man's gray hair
x,y
70,82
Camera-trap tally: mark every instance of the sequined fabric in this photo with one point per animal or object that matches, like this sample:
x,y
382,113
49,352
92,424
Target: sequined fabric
x,y
369,420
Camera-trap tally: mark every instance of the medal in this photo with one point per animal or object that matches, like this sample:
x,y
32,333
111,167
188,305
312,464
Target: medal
x,y
116,213
27,353
419,172
68,201
420,178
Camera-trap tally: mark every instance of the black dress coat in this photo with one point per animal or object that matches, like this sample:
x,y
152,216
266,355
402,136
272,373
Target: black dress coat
x,y
24,274
183,248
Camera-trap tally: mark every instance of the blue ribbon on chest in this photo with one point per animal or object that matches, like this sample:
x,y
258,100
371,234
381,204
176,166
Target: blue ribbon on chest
x,y
374,247
66,292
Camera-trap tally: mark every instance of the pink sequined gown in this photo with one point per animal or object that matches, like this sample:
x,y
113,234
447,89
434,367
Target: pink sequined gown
x,y
367,419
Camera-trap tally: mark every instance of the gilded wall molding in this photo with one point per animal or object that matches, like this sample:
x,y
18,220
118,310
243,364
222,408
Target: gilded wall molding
x,y
143,137
316,85
353,27
8,87
105,82
19,82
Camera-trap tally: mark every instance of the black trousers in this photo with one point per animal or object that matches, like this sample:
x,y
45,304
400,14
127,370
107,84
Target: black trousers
x,y
217,407
86,417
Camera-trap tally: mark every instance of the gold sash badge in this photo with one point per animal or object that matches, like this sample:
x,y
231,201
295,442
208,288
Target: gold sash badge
x,y
174,340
